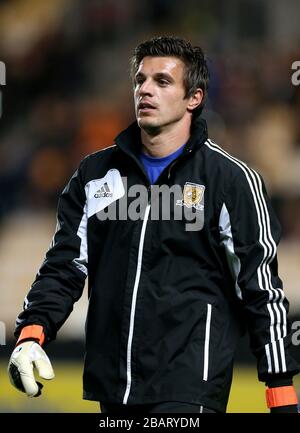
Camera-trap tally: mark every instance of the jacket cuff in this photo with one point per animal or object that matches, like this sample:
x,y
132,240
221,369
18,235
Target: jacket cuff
x,y
279,381
293,408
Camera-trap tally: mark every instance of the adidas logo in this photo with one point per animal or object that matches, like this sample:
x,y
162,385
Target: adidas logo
x,y
104,191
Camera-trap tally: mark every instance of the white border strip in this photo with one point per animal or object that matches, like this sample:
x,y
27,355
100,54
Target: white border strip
x,y
133,304
206,344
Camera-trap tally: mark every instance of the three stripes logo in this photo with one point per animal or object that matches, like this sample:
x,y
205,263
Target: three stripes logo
x,y
104,191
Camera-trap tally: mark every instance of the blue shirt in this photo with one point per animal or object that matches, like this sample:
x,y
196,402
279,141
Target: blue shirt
x,y
154,166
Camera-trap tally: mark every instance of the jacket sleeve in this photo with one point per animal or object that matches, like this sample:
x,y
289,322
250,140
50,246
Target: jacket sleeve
x,y
250,233
60,280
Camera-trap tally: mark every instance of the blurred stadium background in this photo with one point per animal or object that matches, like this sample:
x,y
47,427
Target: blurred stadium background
x,y
68,94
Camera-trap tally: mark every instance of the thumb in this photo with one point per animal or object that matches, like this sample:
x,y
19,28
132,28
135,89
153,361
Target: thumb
x,y
42,363
44,368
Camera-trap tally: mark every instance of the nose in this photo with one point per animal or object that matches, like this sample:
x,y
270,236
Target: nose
x,y
146,88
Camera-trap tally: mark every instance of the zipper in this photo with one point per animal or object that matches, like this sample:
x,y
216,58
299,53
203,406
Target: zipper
x,y
206,343
174,162
133,303
188,151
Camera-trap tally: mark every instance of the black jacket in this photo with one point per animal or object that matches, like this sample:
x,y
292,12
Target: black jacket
x,y
167,305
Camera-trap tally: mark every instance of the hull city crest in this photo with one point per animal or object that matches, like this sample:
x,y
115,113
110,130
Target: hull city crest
x,y
193,196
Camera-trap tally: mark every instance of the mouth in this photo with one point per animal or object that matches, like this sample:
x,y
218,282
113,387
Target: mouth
x,y
145,107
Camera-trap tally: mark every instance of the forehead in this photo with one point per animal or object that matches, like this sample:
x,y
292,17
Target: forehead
x,y
161,65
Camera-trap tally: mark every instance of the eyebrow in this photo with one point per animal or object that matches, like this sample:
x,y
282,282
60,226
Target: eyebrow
x,y
158,75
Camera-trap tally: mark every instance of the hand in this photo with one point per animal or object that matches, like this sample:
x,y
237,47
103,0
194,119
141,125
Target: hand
x,y
20,368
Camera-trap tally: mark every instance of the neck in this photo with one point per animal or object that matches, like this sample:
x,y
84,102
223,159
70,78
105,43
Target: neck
x,y
165,141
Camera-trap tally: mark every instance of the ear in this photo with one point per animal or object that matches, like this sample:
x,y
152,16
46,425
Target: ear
x,y
195,100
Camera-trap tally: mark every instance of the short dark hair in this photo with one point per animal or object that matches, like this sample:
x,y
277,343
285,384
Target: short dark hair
x,y
196,74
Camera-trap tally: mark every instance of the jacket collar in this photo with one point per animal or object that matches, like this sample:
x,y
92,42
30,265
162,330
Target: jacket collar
x,y
129,140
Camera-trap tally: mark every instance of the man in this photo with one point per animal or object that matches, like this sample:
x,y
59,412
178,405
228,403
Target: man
x,y
169,296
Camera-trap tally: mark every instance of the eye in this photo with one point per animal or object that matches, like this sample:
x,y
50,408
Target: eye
x,y
163,82
139,81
